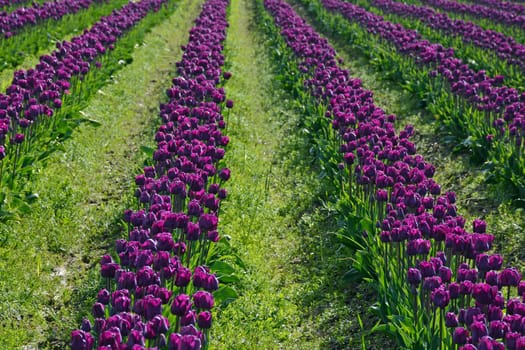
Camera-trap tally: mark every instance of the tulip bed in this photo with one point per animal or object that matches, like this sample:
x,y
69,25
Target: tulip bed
x,y
439,282
11,23
503,17
36,110
27,32
517,9
505,47
478,109
160,275
432,271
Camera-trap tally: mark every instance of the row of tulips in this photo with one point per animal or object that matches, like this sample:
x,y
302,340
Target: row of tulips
x,y
8,3
158,290
504,46
441,271
32,102
479,11
13,22
507,6
488,112
32,39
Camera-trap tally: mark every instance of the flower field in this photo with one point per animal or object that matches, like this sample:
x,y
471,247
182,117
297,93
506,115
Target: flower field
x,y
262,174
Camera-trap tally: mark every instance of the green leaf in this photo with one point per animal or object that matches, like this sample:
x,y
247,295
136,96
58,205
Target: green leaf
x,y
222,268
148,151
21,206
225,295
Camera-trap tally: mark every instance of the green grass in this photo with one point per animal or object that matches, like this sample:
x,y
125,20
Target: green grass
x,y
256,216
49,260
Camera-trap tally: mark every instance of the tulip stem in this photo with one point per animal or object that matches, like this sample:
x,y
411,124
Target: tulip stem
x,y
441,311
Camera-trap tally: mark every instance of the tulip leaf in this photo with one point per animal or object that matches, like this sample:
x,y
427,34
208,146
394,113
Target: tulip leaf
x,y
225,295
222,268
148,151
21,206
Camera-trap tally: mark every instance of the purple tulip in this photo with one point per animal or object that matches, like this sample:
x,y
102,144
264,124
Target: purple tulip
x,y
189,319
440,297
478,330
204,319
484,293
498,329
509,277
182,277
181,305
451,320
203,300
511,339
81,340
460,336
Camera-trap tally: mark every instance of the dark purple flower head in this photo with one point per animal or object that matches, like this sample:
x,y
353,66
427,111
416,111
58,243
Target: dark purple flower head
x,y
440,297
190,342
203,300
152,307
478,330
451,320
414,276
111,337
460,336
182,277
189,319
480,226
181,305
491,277
431,283
484,293
18,139
224,174
208,222
495,262
108,270
454,289
445,273
509,277
103,296
511,339
494,313
204,320
427,269
81,340
498,329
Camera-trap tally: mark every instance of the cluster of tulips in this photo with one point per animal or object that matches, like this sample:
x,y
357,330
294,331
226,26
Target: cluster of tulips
x,y
451,280
13,22
504,106
506,47
35,95
159,291
7,3
481,107
480,11
507,6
